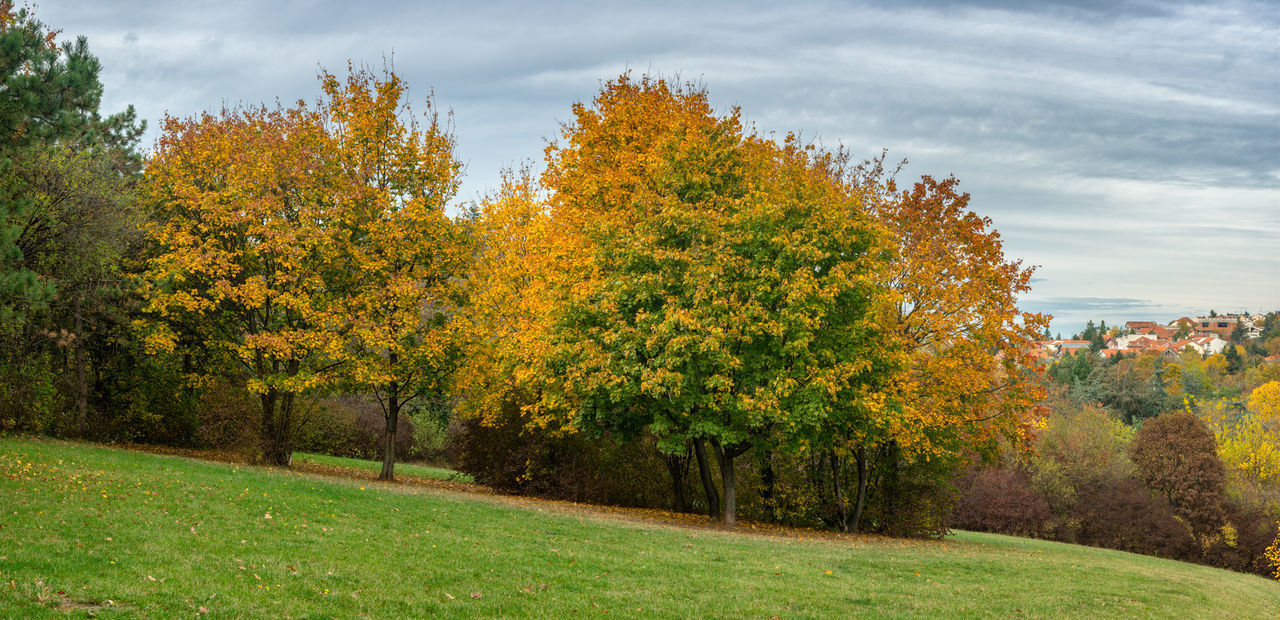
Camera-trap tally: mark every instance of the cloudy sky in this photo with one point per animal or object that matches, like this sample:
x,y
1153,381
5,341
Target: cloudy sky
x,y
1131,150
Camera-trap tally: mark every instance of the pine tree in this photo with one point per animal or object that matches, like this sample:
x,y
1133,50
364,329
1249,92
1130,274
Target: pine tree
x,y
1235,362
49,98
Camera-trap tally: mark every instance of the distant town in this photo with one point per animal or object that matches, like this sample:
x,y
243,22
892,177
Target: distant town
x,y
1206,335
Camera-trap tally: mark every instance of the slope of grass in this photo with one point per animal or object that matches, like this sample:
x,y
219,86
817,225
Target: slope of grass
x,y
96,530
402,469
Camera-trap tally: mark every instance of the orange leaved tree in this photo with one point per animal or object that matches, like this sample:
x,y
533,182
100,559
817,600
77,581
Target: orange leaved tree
x,y
399,250
970,375
508,290
243,218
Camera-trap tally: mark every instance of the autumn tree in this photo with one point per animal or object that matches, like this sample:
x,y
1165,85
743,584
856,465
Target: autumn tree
x,y
728,288
399,247
503,327
245,221
971,375
1175,455
1264,402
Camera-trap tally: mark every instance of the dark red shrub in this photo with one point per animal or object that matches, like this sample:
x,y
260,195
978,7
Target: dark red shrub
x,y
1001,501
1124,515
1241,545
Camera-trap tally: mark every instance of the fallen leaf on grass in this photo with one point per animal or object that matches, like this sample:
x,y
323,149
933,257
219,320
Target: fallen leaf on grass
x,y
476,595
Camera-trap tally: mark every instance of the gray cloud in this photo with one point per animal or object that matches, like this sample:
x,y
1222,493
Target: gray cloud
x,y
1131,149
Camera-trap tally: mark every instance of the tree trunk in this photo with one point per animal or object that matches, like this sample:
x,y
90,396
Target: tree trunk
x,y
835,481
286,422
725,456
708,485
767,482
393,424
389,440
862,488
270,420
277,414
82,383
677,467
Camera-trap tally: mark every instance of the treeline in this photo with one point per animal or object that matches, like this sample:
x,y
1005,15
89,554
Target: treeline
x,y
1176,456
680,311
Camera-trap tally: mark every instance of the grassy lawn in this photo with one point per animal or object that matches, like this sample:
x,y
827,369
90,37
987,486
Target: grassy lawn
x,y
402,469
109,532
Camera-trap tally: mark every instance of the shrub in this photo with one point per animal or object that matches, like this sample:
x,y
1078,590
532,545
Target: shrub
x,y
1079,446
909,497
1272,556
28,397
1241,543
1124,515
227,418
144,399
560,465
431,422
1001,501
352,426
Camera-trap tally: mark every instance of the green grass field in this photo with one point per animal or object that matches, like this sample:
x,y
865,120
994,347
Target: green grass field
x,y
93,530
402,469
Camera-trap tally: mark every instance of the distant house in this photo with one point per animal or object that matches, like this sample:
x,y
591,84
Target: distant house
x,y
1140,327
1188,344
1059,348
1134,341
1210,345
1220,325
1150,328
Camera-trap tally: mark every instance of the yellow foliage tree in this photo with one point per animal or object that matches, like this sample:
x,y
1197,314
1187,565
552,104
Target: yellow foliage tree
x,y
400,252
1264,402
243,220
504,326
302,242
